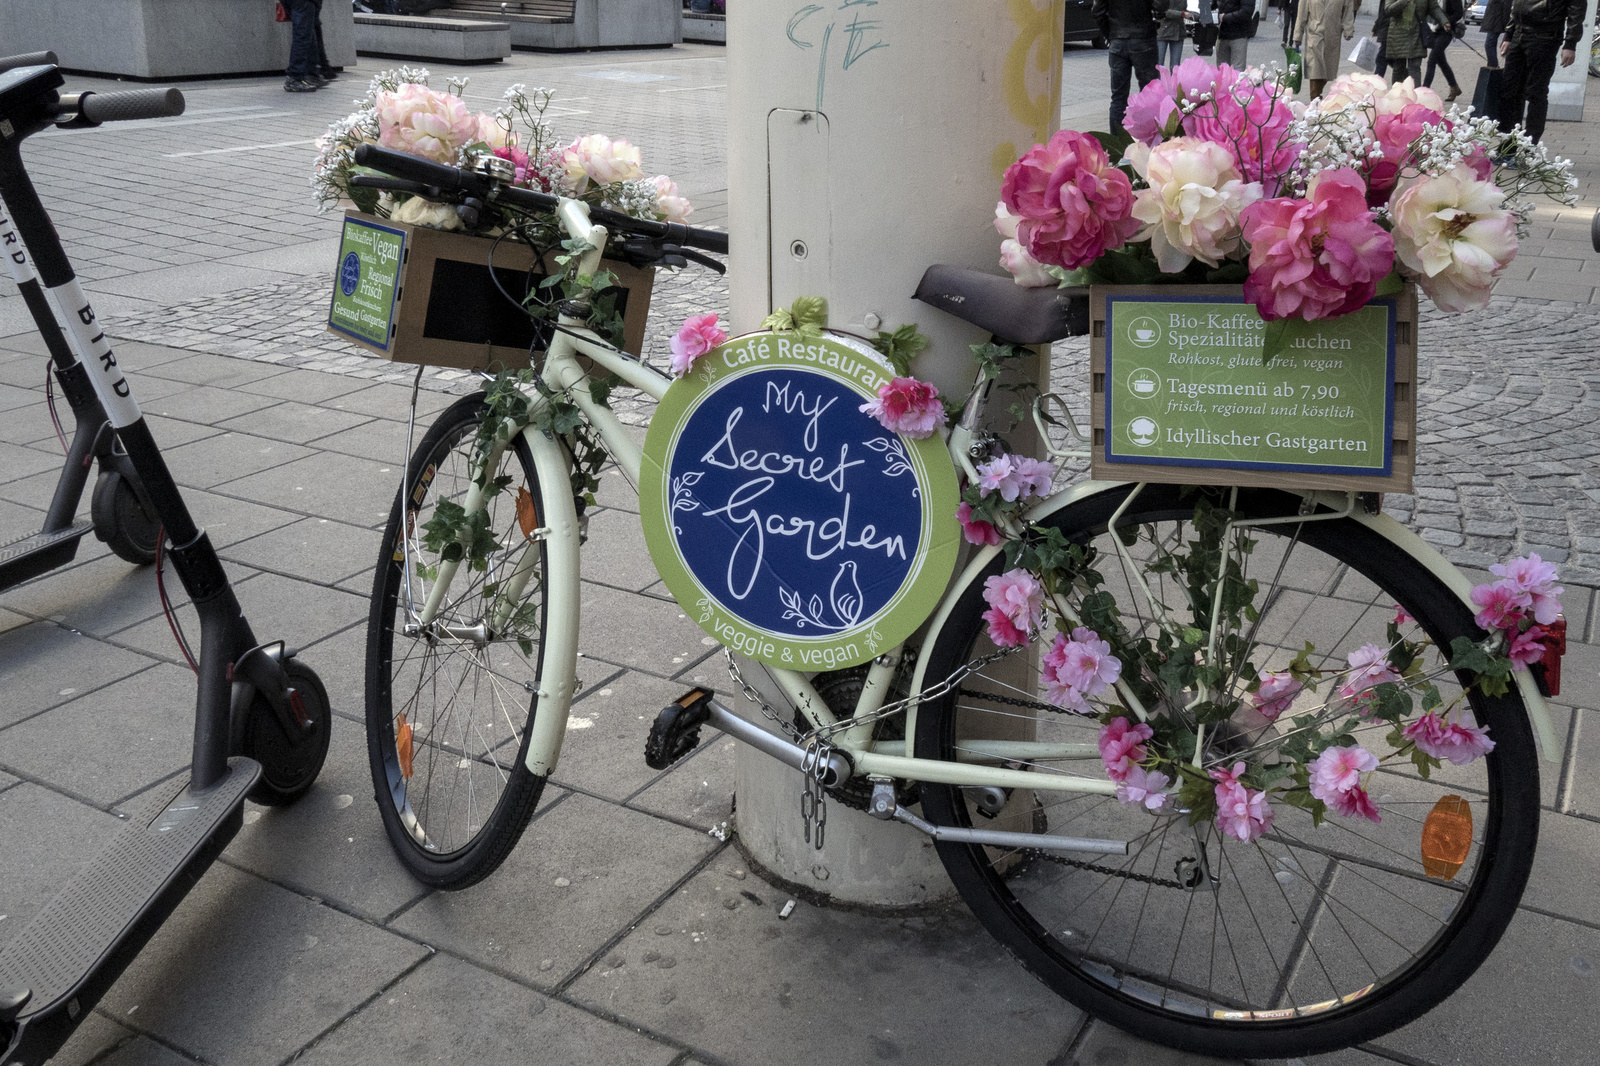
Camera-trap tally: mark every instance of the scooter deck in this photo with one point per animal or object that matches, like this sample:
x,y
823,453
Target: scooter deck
x,y
79,944
39,553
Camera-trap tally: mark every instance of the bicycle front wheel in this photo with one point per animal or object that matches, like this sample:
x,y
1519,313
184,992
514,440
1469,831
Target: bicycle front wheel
x,y
1310,937
451,701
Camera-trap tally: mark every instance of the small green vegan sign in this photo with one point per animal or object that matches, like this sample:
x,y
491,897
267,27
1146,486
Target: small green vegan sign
x,y
364,285
1185,386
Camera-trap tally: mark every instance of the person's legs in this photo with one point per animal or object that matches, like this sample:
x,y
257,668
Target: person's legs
x,y
1316,87
1541,66
1121,72
1436,58
1381,67
1143,56
1513,87
302,41
1491,49
1169,53
324,68
1233,52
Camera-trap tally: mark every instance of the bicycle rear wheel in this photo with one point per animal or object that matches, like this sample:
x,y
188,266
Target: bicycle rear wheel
x,y
450,704
1305,940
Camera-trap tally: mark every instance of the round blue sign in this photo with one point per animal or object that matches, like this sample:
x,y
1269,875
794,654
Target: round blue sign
x,y
794,526
349,274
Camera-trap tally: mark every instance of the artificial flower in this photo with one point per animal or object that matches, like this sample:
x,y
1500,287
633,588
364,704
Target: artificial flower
x,y
1536,579
1500,604
519,160
1072,204
1400,616
1191,208
1122,745
1024,269
421,121
670,205
599,159
1016,607
1242,812
1251,122
908,406
1081,662
976,530
420,212
1276,692
1527,648
1369,667
697,336
1318,257
1449,739
493,134
1452,230
1336,780
1015,477
1144,788
1154,113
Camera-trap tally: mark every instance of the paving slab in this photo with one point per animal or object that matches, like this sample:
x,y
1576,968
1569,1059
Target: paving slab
x,y
746,987
448,1011
358,491
699,789
228,457
229,520
616,554
204,404
584,870
638,631
316,549
603,753
98,595
301,966
294,421
34,674
47,837
382,440
1564,869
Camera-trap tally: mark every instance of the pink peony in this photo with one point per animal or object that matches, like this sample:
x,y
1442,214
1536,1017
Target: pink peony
x,y
1402,94
1355,89
1016,607
1242,812
1318,257
1449,740
1015,477
1394,135
908,406
491,133
976,530
1501,604
1452,230
1191,208
1277,692
671,206
599,159
1139,787
1369,667
1025,270
1153,112
1252,123
1535,578
1122,745
1336,780
421,121
519,160
697,336
1073,205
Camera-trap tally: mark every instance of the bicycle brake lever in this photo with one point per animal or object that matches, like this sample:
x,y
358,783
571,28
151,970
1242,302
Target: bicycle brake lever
x,y
679,252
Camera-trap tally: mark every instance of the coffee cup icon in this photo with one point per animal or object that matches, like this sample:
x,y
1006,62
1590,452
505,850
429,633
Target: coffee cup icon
x,y
1143,431
1144,331
1145,334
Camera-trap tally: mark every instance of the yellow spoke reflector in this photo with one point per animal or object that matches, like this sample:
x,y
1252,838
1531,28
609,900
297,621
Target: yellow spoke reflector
x,y
1446,837
527,514
403,746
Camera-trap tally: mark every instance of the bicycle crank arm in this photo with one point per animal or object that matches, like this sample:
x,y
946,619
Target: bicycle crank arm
x,y
883,801
747,732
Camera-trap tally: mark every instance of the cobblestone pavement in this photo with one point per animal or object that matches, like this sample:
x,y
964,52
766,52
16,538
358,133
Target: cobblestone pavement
x,y
620,931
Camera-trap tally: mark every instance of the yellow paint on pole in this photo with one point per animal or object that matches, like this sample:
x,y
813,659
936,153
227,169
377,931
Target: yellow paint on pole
x,y
1034,57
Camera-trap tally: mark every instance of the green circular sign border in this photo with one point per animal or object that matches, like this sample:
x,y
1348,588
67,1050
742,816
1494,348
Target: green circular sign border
x,y
939,537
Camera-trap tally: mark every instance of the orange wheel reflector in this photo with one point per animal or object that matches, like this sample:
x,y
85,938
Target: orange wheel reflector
x,y
1446,837
527,514
402,745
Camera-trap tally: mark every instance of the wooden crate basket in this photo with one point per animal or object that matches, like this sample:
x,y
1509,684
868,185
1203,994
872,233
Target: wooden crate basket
x,y
441,305
1189,401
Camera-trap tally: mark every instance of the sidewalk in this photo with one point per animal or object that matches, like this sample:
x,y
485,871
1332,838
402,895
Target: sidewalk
x,y
621,930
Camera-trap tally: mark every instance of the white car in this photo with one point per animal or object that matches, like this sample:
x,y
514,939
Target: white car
x,y
1475,14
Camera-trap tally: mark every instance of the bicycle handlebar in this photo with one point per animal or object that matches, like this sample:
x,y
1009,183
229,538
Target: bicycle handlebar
x,y
452,179
29,59
134,104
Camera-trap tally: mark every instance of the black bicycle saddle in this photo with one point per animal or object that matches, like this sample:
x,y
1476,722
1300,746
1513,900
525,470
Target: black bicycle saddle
x,y
1004,308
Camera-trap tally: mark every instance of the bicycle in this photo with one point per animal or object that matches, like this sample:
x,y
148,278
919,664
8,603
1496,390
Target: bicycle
x,y
1312,936
261,715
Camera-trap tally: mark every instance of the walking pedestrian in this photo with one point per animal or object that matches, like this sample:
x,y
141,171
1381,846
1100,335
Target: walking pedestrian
x,y
1533,35
308,69
1439,37
1129,27
1288,11
1169,35
1401,24
1495,15
1237,19
1317,33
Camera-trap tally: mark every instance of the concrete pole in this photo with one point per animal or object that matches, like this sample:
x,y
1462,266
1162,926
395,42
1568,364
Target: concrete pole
x,y
866,143
1568,84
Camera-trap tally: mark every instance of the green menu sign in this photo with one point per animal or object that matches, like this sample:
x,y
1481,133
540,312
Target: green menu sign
x,y
1185,386
364,286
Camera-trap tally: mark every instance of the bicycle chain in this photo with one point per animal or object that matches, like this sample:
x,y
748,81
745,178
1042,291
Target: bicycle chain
x,y
1017,701
1147,879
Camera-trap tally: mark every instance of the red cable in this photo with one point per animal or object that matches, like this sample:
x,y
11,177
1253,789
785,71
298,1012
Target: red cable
x,y
166,604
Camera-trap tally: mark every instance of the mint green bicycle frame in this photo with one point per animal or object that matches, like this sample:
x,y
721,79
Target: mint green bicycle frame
x,y
560,533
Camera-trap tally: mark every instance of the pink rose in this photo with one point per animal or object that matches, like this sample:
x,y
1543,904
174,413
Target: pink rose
x,y
1537,580
976,530
1319,257
1369,667
519,160
1277,692
1395,134
1191,207
1449,740
697,336
599,159
1252,123
1073,204
1024,269
1141,788
1122,745
909,406
1153,112
1336,780
417,120
670,205
1452,230
1242,812
1016,607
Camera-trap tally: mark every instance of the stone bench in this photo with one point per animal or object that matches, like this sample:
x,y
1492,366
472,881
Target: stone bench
x,y
706,27
424,37
577,25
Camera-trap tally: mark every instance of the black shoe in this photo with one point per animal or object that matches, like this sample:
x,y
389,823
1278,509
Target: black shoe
x,y
300,85
329,75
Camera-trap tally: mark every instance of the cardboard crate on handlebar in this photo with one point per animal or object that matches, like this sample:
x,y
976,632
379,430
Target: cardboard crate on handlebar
x,y
413,294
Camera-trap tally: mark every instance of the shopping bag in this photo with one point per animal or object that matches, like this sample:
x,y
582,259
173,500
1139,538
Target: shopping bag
x,y
1293,64
1365,54
281,14
1486,97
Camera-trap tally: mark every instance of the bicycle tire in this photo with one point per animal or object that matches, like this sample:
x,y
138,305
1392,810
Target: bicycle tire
x,y
120,520
451,848
1000,889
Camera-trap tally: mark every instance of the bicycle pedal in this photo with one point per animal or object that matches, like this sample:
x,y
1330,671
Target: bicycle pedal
x,y
676,730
